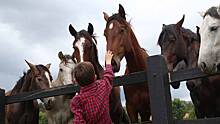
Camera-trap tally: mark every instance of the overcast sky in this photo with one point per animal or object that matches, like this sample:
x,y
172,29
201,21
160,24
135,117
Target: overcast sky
x,y
36,30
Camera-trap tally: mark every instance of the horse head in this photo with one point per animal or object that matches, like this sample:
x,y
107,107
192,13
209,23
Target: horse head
x,y
172,44
66,67
209,54
119,36
84,45
179,46
38,77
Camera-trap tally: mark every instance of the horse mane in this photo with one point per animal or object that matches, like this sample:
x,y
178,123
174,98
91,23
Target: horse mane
x,y
22,79
213,12
19,83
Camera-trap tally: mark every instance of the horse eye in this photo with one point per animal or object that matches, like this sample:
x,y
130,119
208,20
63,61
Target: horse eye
x,y
214,28
61,69
121,30
39,79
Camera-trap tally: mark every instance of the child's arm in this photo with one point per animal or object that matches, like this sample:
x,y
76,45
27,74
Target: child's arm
x,y
108,73
77,111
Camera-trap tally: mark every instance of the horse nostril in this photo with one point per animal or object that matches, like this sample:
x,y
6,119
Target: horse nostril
x,y
203,65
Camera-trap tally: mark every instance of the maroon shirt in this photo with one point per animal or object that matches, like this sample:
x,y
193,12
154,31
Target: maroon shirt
x,y
91,105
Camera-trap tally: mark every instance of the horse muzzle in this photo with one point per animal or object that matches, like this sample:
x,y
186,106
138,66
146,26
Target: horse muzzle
x,y
115,64
48,103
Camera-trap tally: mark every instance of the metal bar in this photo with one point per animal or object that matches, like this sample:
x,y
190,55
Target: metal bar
x,y
2,106
159,90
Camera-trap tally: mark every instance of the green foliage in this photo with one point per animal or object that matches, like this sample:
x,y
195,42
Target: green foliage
x,y
42,115
180,108
42,118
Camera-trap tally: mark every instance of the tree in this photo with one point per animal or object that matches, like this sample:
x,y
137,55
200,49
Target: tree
x,y
181,108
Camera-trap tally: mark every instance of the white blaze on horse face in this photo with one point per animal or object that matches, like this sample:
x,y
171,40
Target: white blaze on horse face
x,y
209,52
66,74
48,78
111,26
79,45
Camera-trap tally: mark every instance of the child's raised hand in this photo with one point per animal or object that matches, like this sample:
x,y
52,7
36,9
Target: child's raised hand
x,y
108,57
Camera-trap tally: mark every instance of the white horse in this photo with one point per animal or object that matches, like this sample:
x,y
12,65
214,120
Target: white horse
x,y
60,112
209,53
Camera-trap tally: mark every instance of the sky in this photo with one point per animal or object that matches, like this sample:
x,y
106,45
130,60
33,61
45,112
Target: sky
x,y
38,30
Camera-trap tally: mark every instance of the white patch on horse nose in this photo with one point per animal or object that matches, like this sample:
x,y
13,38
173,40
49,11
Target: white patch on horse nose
x,y
79,45
111,26
48,78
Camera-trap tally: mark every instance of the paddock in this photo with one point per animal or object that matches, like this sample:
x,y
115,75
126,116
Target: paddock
x,y
159,81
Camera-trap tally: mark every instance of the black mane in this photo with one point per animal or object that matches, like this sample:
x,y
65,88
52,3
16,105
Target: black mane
x,y
213,12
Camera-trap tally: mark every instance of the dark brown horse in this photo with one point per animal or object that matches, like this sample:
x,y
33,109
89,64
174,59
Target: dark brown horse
x,y
85,49
38,77
122,41
179,44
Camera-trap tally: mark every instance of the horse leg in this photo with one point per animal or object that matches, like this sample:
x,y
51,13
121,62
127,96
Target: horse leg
x,y
125,117
132,113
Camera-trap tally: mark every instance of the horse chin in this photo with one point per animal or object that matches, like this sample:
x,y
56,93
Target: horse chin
x,y
47,104
115,64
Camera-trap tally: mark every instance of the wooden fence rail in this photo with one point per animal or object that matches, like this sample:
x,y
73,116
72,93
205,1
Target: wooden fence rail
x,y
159,89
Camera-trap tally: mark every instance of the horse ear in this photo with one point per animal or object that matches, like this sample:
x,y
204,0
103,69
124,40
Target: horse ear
x,y
180,23
72,31
32,67
48,66
201,13
61,56
105,16
121,11
90,29
197,32
163,27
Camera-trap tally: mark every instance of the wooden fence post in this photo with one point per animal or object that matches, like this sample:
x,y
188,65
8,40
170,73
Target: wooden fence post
x,y
159,90
2,106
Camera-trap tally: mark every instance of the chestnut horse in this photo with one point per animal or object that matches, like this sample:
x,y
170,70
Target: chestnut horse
x,y
85,49
122,41
179,44
60,111
38,77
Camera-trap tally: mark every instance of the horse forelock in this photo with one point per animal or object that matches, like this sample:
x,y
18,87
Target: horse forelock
x,y
42,67
213,12
119,19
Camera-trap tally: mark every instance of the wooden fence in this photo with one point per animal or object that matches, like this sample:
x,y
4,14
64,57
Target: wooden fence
x,y
159,88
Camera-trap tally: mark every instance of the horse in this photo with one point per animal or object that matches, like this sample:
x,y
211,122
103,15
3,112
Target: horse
x,y
85,49
182,45
209,54
60,112
122,42
36,78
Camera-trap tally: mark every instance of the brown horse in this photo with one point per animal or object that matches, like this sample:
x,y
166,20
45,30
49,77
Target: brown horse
x,y
179,44
38,77
85,49
122,41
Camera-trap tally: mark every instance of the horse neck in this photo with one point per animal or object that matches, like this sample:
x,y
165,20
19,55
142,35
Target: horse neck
x,y
21,85
58,81
98,68
136,56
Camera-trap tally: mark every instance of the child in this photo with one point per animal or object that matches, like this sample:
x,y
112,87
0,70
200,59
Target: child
x,y
91,105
